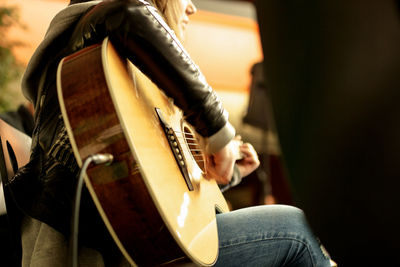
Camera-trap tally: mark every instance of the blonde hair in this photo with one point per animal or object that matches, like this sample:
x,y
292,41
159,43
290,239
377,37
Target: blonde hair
x,y
170,9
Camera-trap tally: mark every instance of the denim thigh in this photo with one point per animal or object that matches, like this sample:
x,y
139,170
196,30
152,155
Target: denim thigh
x,y
269,235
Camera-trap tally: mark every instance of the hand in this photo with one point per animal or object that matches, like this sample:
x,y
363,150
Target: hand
x,y
249,161
220,164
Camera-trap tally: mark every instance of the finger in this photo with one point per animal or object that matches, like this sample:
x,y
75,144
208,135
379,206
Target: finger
x,y
212,174
238,137
247,149
237,142
219,171
250,155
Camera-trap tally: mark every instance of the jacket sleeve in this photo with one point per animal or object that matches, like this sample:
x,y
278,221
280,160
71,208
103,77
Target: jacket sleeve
x,y
140,34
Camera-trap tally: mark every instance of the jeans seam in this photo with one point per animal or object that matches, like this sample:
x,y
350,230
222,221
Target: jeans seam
x,y
273,238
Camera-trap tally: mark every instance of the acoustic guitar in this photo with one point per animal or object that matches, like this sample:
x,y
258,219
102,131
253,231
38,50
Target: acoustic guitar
x,y
153,198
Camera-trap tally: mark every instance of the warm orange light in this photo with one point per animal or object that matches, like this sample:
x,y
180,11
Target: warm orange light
x,y
35,15
224,46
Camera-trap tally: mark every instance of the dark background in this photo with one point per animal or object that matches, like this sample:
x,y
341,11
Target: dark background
x,y
333,68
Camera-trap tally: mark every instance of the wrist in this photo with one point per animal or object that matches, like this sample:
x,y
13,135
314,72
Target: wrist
x,y
220,139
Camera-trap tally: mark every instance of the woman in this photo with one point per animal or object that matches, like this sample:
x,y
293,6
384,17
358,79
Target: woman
x,y
261,236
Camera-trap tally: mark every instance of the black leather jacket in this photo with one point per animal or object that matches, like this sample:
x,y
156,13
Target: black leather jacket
x,y
44,188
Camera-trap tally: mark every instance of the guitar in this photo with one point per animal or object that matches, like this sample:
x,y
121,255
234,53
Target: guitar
x,y
153,198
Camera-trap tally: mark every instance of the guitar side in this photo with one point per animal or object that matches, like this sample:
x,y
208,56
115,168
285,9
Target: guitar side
x,y
142,197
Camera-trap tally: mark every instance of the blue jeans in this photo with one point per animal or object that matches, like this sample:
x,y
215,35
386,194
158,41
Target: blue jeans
x,y
270,235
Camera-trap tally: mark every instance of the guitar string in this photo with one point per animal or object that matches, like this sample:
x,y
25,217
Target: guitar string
x,y
196,152
186,134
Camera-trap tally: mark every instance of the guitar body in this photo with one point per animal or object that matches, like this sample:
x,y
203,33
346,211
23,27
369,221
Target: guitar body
x,y
154,212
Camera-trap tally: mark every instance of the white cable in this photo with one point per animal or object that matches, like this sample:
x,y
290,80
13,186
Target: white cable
x,y
73,246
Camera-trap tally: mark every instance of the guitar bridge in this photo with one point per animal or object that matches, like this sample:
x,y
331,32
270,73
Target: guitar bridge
x,y
176,149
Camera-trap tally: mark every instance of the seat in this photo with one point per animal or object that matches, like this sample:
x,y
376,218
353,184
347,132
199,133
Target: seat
x,y
14,152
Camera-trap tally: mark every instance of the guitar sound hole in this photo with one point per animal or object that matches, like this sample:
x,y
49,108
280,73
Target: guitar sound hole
x,y
194,148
